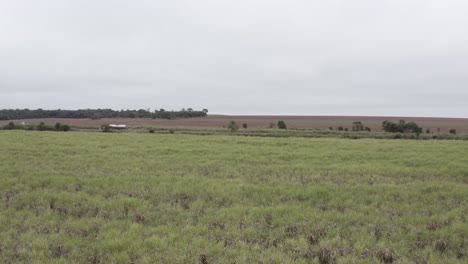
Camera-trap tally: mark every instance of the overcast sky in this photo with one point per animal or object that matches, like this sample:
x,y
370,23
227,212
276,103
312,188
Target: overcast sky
x,y
310,57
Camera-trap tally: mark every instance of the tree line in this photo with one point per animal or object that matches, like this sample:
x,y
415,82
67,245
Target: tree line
x,y
41,127
401,127
12,114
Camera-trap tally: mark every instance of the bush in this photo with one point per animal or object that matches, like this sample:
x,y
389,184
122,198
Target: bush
x,y
358,126
171,131
340,128
401,127
232,126
9,126
43,127
60,127
428,131
453,131
151,130
106,129
244,125
282,124
272,125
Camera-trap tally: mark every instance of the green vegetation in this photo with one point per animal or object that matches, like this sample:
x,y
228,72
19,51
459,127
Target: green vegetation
x,y
232,126
358,126
281,124
10,114
40,127
401,127
162,198
307,133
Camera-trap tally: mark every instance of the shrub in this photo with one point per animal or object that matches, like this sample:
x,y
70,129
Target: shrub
x,y
60,127
43,127
9,126
151,130
340,128
232,126
428,131
282,124
106,129
453,131
244,125
272,125
358,126
171,131
401,127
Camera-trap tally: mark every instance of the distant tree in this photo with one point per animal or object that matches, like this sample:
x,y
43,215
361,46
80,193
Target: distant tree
x,y
368,129
330,128
244,125
428,131
205,110
282,124
58,126
96,117
401,127
8,114
388,126
272,125
358,126
42,126
346,129
106,129
340,128
453,131
412,127
9,126
66,128
232,126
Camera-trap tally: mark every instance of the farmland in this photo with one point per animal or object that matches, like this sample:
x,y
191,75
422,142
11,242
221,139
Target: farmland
x,y
435,125
161,198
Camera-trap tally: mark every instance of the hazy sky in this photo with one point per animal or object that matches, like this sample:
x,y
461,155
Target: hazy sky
x,y
310,57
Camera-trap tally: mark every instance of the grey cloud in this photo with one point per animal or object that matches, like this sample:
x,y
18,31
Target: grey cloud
x,y
354,57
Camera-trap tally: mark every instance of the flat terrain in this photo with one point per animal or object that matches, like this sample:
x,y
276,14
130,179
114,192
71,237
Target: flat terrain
x,y
149,198
436,125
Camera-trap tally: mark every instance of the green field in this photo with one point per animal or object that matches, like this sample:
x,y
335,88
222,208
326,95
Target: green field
x,y
161,198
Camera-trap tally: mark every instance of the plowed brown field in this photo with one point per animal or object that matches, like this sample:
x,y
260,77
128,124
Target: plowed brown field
x,y
435,124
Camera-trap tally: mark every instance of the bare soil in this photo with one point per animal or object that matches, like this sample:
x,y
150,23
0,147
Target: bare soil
x,y
434,124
